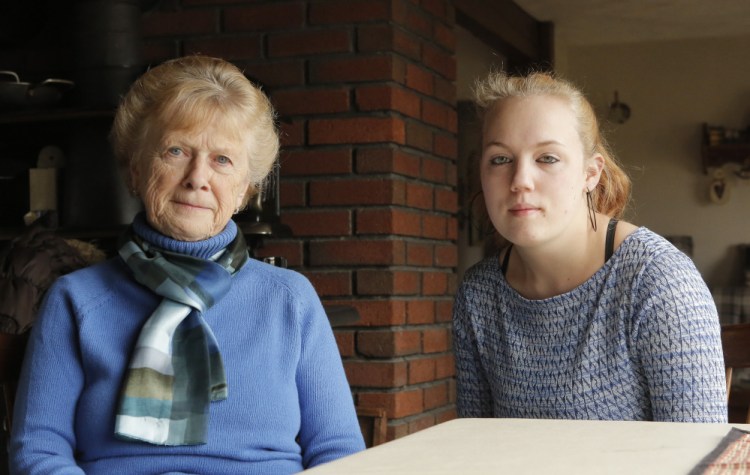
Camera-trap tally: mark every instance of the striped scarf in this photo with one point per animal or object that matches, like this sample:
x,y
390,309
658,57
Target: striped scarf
x,y
176,368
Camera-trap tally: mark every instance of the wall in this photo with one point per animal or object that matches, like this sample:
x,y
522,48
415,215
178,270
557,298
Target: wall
x,y
672,88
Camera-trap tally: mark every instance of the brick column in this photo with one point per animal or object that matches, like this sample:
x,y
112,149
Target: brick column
x,y
365,90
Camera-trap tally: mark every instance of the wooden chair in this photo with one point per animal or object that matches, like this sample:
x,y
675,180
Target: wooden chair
x,y
374,424
735,341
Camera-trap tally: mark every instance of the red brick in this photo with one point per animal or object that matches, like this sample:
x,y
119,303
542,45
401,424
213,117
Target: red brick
x,y
291,193
376,313
419,136
445,366
434,283
361,68
419,196
178,23
311,101
436,340
452,229
291,250
445,146
421,422
396,430
407,44
348,11
331,284
434,226
439,60
419,23
420,312
446,255
444,36
388,221
319,222
356,252
356,192
437,114
388,98
433,170
230,48
374,38
452,175
356,130
309,42
421,370
277,73
292,134
388,343
445,415
154,51
418,254
435,396
316,161
439,8
387,160
345,342
446,200
265,17
444,311
375,374
387,282
396,404
444,90
419,79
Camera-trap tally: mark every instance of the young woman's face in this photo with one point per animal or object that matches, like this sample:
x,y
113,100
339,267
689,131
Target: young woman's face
x,y
194,181
533,169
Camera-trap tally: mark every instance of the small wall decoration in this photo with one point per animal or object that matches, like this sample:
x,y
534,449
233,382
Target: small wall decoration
x,y
719,189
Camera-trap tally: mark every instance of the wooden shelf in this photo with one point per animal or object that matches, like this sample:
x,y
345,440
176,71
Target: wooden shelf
x,y
52,115
716,154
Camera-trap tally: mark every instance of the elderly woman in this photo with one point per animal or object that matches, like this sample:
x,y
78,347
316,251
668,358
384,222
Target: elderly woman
x,y
580,316
182,355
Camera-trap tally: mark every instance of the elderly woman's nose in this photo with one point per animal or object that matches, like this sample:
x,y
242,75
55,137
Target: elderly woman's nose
x,y
197,174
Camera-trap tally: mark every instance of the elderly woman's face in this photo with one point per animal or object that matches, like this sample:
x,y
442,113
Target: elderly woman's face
x,y
194,182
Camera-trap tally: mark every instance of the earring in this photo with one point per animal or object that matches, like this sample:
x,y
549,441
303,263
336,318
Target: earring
x,y
590,206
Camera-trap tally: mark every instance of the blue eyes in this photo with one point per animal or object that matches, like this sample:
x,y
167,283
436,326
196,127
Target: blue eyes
x,y
220,159
503,160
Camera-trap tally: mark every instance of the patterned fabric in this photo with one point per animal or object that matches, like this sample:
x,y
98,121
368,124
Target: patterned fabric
x,y
176,368
640,340
731,456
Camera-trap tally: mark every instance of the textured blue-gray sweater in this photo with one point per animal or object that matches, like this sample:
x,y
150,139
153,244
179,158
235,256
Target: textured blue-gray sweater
x,y
639,340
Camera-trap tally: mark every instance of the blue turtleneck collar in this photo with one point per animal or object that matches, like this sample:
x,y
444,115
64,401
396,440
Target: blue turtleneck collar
x,y
202,249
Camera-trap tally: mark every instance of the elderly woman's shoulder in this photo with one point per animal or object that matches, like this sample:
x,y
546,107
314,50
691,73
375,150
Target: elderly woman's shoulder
x,y
275,276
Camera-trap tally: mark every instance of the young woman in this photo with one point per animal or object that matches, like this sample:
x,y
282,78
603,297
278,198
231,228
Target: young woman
x,y
580,316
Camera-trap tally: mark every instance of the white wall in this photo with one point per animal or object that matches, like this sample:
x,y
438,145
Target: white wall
x,y
672,88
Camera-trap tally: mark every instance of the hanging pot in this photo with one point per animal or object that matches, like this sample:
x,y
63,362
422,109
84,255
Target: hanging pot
x,y
619,112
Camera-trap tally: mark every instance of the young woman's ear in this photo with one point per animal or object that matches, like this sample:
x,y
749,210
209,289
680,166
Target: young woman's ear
x,y
594,167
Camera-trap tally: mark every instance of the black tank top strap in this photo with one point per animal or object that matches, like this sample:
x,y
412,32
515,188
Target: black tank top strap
x,y
506,258
609,247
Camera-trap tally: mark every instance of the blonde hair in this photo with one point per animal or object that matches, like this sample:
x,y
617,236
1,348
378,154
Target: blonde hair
x,y
186,92
612,194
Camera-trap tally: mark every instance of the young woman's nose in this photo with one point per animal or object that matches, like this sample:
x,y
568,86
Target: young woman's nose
x,y
522,179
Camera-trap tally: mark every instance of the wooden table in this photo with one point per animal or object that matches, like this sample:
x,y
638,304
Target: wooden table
x,y
536,446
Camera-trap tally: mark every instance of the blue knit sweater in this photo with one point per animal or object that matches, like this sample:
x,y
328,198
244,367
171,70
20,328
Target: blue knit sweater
x,y
289,404
640,340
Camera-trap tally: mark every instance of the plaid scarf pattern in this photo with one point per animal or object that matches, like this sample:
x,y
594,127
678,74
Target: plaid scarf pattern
x,y
176,369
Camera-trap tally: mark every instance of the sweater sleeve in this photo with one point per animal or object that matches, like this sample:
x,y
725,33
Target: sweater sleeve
x,y
43,438
473,395
329,426
678,341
